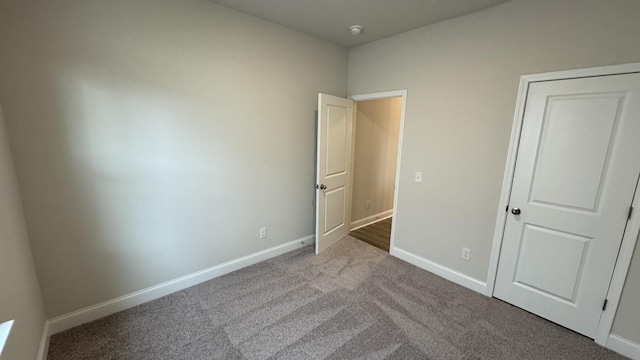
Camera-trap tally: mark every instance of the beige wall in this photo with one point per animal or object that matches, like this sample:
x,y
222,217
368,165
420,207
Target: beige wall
x,y
627,322
20,298
376,151
152,139
462,79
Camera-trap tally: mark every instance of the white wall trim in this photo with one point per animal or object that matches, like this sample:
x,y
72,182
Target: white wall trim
x,y
109,307
440,270
507,182
583,73
386,95
355,225
624,346
379,95
43,349
625,255
629,240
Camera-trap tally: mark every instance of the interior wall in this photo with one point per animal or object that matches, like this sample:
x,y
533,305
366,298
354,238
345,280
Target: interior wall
x,y
20,300
376,151
462,78
627,322
152,139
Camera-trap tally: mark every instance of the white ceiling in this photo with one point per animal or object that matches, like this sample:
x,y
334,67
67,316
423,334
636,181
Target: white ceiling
x,y
330,19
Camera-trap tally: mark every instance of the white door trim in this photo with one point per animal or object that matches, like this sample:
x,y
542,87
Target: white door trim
x,y
386,95
633,226
620,273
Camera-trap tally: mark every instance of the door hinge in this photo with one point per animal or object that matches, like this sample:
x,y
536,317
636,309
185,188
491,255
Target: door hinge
x,y
507,208
630,212
604,306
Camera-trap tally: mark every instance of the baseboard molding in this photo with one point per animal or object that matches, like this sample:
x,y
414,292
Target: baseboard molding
x,y
442,271
355,225
109,307
43,350
624,346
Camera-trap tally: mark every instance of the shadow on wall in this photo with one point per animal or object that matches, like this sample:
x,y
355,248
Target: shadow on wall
x,y
152,142
137,167
136,179
130,164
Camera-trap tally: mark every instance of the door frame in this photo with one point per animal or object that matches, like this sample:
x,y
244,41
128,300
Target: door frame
x,y
633,225
387,95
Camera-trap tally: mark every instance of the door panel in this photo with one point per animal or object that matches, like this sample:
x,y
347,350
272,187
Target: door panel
x,y
335,148
334,209
563,254
560,180
577,167
336,151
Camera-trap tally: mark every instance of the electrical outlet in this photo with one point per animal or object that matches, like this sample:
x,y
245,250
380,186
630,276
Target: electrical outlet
x,y
263,233
466,254
367,204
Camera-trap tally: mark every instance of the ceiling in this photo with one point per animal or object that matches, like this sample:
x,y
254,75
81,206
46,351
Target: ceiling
x,y
330,19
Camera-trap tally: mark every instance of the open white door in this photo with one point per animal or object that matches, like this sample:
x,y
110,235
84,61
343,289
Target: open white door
x,y
576,172
334,161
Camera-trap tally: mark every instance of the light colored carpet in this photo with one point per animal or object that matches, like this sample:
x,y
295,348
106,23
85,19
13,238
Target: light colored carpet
x,y
352,302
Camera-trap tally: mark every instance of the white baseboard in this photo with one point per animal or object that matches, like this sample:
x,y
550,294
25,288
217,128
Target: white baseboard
x,y
43,350
442,271
624,346
109,307
355,225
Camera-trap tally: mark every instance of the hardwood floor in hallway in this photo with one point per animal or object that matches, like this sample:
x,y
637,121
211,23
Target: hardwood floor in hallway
x,y
377,234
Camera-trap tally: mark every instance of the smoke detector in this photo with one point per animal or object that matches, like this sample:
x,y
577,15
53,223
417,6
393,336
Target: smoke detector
x,y
355,29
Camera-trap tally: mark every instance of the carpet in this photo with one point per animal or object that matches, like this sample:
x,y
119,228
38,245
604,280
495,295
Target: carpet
x,y
354,301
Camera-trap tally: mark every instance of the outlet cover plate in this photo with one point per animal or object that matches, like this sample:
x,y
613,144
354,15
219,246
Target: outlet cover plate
x,y
466,254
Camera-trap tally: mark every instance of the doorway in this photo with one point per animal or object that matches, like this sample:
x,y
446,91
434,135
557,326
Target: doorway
x,y
377,130
335,160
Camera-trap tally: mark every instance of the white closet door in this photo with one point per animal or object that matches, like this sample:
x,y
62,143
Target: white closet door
x,y
577,167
